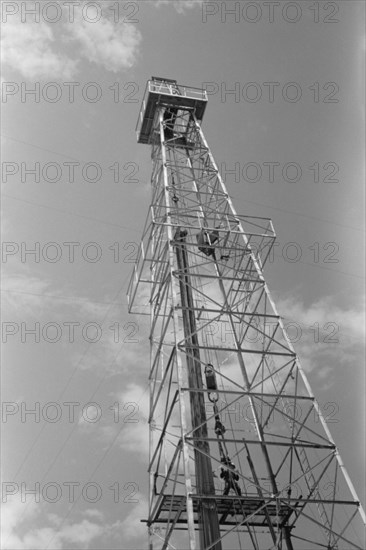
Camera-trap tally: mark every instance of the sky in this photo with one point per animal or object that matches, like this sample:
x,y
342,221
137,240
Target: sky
x,y
285,123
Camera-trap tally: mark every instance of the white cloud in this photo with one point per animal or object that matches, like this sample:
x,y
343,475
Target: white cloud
x,y
122,346
132,430
79,533
36,51
27,48
129,427
17,514
94,514
114,46
328,335
135,435
179,5
350,321
132,527
25,293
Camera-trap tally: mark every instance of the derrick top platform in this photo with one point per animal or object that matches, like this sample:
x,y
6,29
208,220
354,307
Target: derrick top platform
x,y
164,91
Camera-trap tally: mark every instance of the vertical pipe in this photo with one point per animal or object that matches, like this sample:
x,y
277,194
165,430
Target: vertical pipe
x,y
208,516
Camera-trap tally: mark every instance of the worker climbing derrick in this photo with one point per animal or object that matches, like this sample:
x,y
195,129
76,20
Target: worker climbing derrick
x,y
205,240
230,476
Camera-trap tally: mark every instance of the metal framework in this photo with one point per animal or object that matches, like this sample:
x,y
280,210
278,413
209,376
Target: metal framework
x,y
240,453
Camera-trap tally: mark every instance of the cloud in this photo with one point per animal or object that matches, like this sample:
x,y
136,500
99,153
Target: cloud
x,y
131,526
119,346
24,293
128,428
27,48
35,50
350,321
94,514
27,526
79,533
326,336
113,46
132,431
16,515
135,435
180,5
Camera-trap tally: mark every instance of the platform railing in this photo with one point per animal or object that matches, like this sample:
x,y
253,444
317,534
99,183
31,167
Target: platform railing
x,y
176,89
170,89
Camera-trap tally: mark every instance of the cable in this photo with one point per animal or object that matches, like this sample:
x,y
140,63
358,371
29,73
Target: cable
x,y
325,267
64,389
302,215
95,469
42,148
75,426
64,211
70,298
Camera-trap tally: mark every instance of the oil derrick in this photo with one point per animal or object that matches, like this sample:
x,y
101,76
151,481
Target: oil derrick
x,y
240,452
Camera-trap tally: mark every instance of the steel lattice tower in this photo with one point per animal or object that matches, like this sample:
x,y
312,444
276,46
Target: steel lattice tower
x,y
240,453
